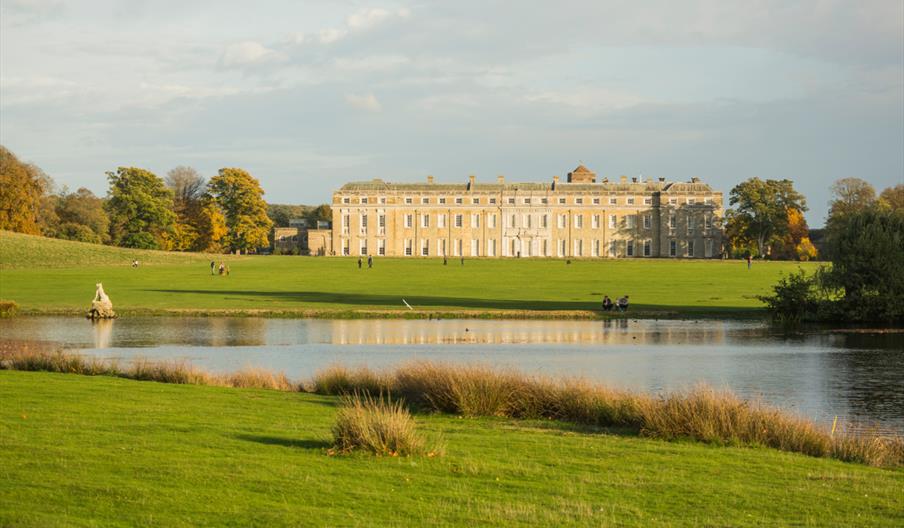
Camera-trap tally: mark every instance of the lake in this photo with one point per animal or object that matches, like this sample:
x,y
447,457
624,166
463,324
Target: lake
x,y
821,373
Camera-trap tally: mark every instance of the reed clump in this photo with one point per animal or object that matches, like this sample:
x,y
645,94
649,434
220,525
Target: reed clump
x,y
8,308
378,425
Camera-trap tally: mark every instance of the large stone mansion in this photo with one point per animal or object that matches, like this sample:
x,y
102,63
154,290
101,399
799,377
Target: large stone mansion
x,y
576,218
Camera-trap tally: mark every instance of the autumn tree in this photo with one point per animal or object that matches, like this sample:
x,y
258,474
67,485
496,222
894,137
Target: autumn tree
x,y
240,199
893,198
210,228
21,188
761,212
850,195
188,191
140,209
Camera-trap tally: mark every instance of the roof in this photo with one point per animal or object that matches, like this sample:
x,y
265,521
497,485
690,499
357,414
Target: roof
x,y
604,186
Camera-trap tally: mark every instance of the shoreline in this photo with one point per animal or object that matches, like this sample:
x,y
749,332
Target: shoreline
x,y
501,315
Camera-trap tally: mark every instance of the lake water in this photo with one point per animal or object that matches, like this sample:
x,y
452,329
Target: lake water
x,y
823,373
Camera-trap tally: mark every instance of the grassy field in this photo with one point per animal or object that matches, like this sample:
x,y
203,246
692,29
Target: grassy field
x,y
100,451
54,276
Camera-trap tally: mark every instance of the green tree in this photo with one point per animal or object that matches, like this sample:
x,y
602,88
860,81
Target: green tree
x,y
240,198
321,213
761,212
849,196
140,209
281,214
82,217
22,187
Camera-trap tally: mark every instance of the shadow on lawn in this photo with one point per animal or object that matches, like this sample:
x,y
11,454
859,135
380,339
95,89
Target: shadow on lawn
x,y
285,442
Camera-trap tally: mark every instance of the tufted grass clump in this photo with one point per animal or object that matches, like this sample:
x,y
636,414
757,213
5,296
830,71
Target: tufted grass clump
x,y
376,425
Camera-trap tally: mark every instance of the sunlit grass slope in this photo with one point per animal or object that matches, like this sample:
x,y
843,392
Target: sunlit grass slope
x,y
46,275
98,451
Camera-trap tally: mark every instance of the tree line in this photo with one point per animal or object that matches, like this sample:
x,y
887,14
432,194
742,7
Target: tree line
x,y
181,212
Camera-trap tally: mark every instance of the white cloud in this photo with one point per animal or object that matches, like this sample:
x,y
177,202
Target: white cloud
x,y
249,53
366,18
365,102
330,35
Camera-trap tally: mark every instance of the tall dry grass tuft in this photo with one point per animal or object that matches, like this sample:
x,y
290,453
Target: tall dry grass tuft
x,y
252,378
337,380
378,425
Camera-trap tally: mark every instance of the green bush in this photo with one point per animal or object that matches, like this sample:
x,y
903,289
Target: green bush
x,y
8,308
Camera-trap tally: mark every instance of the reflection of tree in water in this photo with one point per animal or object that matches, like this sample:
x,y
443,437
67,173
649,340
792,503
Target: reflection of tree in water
x,y
868,375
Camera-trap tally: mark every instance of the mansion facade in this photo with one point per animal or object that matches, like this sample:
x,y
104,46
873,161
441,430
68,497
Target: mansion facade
x,y
576,218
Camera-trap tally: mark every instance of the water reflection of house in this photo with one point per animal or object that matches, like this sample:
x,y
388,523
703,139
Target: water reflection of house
x,y
301,239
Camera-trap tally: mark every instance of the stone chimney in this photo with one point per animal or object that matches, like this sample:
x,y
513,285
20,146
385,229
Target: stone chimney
x,y
471,179
634,179
555,182
662,180
430,178
500,179
623,179
695,179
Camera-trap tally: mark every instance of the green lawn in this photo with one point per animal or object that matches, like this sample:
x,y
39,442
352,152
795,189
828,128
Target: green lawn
x,y
46,275
99,451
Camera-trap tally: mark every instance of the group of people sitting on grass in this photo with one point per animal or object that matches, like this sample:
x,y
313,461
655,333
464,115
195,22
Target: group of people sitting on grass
x,y
621,305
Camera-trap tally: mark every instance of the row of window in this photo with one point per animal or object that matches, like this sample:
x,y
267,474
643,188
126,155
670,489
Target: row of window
x,y
529,221
535,248
630,200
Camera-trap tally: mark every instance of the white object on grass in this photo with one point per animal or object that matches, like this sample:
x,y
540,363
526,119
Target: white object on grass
x,y
406,304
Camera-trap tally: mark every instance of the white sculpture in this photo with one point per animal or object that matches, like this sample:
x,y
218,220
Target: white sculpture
x,y
101,306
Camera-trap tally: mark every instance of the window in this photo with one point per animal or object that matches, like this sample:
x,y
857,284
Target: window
x,y
629,249
425,248
407,247
475,247
363,226
690,248
512,221
345,248
613,201
578,248
492,200
381,223
648,201
381,247
562,220
579,201
458,221
631,221
363,248
511,201
493,221
690,225
364,200
691,201
475,220
409,221
561,201
596,201
526,201
561,248
544,221
346,200
441,245
475,201
425,220
673,201
527,221
491,248
441,220
647,248
708,248
425,200
708,200
382,199
458,201
408,200
707,222
630,200
672,222
513,251
595,252
595,221
346,220
673,248
613,248
545,246
456,247
613,221
442,199
544,200
647,222
578,221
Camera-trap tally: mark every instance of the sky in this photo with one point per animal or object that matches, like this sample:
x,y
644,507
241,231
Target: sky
x,y
309,95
